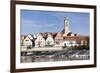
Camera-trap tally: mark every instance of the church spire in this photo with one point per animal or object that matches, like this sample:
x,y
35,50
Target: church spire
x,y
66,25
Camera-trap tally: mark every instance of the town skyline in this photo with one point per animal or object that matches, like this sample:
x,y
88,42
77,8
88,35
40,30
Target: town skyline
x,y
33,22
57,36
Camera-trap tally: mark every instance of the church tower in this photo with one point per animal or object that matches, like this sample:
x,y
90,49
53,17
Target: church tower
x,y
66,25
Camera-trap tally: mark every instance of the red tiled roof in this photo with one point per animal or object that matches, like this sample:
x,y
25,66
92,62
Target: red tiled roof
x,y
76,37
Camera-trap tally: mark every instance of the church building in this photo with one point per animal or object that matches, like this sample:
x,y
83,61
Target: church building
x,y
71,39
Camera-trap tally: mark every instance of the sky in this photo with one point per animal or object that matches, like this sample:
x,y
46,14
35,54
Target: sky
x,y
33,21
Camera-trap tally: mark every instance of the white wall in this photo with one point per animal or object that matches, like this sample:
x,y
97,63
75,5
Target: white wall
x,y
5,37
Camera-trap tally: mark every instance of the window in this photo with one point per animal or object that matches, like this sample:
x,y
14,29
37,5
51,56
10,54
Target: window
x,y
26,40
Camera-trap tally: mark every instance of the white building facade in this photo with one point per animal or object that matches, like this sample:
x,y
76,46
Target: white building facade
x,y
59,40
49,40
40,41
27,42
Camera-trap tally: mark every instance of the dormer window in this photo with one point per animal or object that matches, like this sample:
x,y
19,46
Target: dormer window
x,y
26,40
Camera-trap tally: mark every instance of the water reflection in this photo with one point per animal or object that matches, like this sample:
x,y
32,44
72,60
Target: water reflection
x,y
48,56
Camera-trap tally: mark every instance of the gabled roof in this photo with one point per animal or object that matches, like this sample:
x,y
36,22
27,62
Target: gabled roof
x,y
26,36
54,34
23,37
45,34
31,36
59,33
